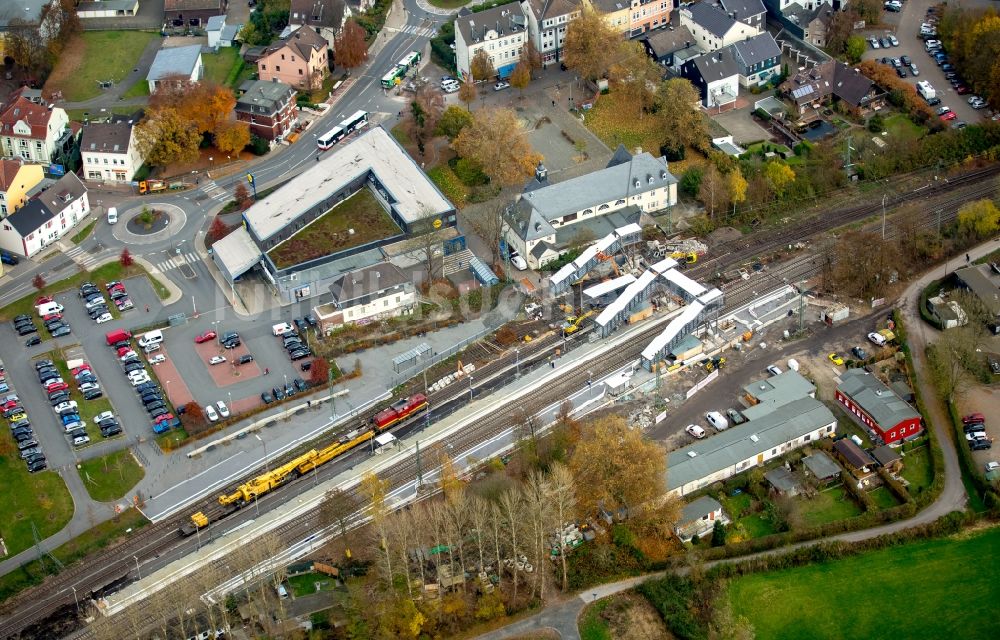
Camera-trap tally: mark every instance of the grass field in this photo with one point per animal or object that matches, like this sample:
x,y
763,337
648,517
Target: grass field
x,y
94,56
917,470
331,232
828,506
305,584
82,234
41,498
883,498
111,477
221,67
935,589
137,90
901,127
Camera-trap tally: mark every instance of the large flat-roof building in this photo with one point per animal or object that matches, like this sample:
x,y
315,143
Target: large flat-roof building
x,y
373,161
747,445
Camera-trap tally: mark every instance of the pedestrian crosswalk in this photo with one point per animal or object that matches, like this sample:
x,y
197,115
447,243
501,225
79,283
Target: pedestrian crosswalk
x,y
420,32
177,260
214,191
81,257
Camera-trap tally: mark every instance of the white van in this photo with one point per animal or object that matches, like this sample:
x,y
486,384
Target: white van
x,y
112,215
151,337
716,419
46,308
877,338
281,329
793,364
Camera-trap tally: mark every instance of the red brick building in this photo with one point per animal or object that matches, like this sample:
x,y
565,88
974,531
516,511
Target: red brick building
x,y
268,107
875,406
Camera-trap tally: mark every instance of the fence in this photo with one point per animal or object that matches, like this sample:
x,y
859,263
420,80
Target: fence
x,y
421,365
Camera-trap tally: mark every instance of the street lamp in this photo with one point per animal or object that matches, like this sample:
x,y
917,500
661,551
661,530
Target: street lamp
x,y
517,361
267,468
136,558
470,388
75,599
884,195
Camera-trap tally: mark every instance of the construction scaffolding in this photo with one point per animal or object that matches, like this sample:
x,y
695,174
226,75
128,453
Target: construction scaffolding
x,y
610,244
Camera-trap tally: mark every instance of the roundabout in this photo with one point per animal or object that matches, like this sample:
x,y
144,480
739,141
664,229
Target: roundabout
x,y
152,222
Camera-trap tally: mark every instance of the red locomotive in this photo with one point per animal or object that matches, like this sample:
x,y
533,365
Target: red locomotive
x,y
399,411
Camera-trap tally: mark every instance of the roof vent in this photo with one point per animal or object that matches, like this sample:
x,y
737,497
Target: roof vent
x,y
753,436
637,183
663,175
649,178
692,454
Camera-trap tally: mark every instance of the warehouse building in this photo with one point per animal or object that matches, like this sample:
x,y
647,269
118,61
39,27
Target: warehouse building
x,y
874,405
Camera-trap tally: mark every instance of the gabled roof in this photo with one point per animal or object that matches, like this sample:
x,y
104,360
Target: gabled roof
x,y
663,42
303,41
876,399
106,137
507,18
850,85
698,509
853,454
174,61
621,156
756,49
821,465
979,280
717,65
8,172
261,96
215,23
743,8
833,77
317,13
47,205
366,282
885,455
20,109
711,18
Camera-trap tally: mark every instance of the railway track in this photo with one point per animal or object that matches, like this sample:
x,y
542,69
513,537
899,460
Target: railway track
x,y
32,605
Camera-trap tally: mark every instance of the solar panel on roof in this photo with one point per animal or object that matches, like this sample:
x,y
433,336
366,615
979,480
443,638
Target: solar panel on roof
x,y
802,91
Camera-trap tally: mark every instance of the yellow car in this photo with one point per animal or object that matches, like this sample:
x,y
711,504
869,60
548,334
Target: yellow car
x,y
17,417
836,359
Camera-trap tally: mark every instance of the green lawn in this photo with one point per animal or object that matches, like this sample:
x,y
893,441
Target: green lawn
x,y
944,588
592,625
138,90
91,540
111,477
82,234
917,470
449,4
830,505
220,67
94,56
449,184
883,498
353,222
305,584
901,127
41,498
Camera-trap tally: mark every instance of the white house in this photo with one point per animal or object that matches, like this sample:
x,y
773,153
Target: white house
x,y
109,152
716,75
752,12
548,21
637,183
362,296
698,518
500,31
32,130
46,217
712,27
176,63
221,34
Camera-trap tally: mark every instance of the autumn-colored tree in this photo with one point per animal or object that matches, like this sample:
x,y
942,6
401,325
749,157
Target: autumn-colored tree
x,y
497,142
425,113
676,106
165,136
615,466
339,508
193,418
979,219
714,191
349,47
38,282
520,76
868,278
467,93
242,196
737,187
25,45
481,68
633,73
125,259
530,54
231,137
217,230
589,40
779,175
452,121
319,372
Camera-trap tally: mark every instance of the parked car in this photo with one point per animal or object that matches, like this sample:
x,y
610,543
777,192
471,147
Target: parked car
x,y
774,369
859,353
266,398
205,337
695,431
501,85
223,409
216,360
211,414
835,359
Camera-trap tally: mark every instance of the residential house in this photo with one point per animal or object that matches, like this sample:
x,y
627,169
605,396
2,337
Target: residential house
x,y
362,296
783,482
630,183
809,23
983,281
748,445
16,179
176,65
501,32
874,405
713,28
634,17
548,21
948,313
616,13
716,75
221,34
822,467
751,12
661,45
107,9
34,131
698,518
301,59
759,59
858,463
326,17
192,13
268,107
46,217
831,80
110,152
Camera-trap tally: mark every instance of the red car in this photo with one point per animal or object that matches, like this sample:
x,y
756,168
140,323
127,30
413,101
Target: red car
x,y
123,350
948,116
10,404
205,337
52,316
166,417
42,300
961,89
82,367
59,386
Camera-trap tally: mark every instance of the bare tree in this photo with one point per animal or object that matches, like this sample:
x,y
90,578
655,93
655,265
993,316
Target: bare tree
x,y
563,495
536,495
487,222
339,508
375,490
512,510
426,247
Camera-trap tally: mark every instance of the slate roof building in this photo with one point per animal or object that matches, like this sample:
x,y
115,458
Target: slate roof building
x,y
181,64
326,17
268,107
501,32
662,44
373,293
548,21
832,80
698,518
46,217
300,59
759,59
716,75
712,27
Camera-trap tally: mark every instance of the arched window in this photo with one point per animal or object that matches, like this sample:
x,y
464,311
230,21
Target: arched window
x,y
603,207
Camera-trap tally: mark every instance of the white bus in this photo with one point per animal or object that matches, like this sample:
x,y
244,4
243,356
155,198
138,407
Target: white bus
x,y
356,121
410,61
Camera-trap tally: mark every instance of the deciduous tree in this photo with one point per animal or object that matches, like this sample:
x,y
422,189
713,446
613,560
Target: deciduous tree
x,y
855,49
242,196
425,113
497,142
869,278
231,137
467,93
452,121
38,282
349,47
979,219
531,55
520,77
737,187
487,222
481,67
588,42
634,75
125,259
714,191
319,372
165,136
779,175
676,105
339,508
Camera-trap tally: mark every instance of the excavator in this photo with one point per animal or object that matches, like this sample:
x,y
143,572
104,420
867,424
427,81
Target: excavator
x,y
572,325
689,257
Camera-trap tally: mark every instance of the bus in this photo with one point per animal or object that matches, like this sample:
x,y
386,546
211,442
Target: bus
x,y
410,60
394,77
357,120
